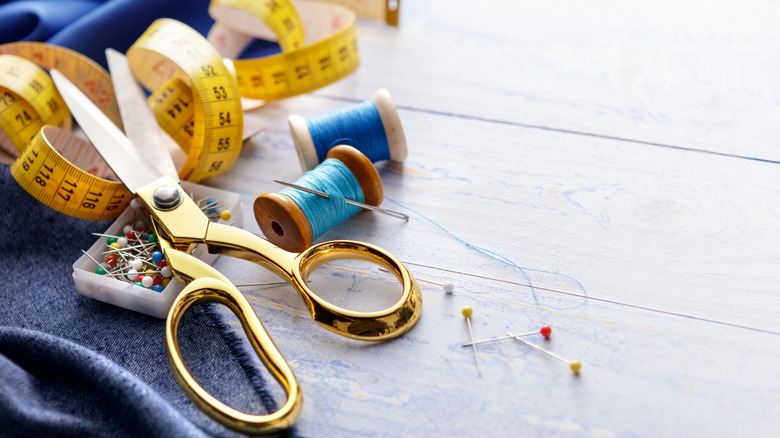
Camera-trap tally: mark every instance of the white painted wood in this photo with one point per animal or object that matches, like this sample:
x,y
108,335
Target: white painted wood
x,y
690,74
676,249
679,232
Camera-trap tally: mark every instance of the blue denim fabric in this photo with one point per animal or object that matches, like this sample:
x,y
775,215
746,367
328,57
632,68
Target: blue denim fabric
x,y
71,365
83,397
74,366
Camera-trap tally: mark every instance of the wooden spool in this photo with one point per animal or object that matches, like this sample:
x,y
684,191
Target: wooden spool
x,y
396,140
284,223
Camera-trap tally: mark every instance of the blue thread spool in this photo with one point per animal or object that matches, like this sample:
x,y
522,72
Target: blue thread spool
x,y
372,126
282,216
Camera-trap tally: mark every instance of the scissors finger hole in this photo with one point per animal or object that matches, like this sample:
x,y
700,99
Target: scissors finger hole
x,y
219,372
357,285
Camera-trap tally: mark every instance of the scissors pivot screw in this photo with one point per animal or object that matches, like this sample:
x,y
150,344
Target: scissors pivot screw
x,y
166,198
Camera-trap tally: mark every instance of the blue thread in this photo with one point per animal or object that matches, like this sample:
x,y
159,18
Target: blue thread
x,y
334,178
359,126
496,256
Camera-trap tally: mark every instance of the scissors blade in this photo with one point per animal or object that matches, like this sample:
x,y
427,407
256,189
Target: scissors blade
x,y
115,148
140,124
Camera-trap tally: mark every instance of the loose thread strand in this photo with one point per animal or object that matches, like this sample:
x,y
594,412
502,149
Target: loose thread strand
x,y
500,258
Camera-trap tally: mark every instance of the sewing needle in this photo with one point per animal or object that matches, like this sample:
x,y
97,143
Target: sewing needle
x,y
348,201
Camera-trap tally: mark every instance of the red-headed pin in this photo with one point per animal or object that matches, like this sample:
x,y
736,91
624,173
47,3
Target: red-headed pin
x,y
545,331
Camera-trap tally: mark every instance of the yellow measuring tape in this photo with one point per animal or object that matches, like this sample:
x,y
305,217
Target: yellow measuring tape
x,y
66,174
28,102
201,106
50,170
196,94
328,51
56,181
299,69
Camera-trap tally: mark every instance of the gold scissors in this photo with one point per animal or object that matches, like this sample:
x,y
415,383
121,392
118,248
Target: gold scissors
x,y
180,225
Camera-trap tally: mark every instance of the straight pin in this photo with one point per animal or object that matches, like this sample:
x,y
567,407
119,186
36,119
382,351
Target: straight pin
x,y
122,274
467,312
545,331
575,365
91,258
273,283
143,245
392,213
448,287
106,235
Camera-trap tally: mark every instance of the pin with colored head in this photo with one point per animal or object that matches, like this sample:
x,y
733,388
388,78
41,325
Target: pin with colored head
x,y
574,365
467,312
545,331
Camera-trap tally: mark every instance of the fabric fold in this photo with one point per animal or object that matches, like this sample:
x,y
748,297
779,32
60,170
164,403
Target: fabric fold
x,y
53,387
74,366
40,20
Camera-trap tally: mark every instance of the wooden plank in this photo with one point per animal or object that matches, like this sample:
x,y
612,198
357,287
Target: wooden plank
x,y
599,210
678,335
684,75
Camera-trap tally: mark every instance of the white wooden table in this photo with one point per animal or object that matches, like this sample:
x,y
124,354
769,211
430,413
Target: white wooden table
x,y
624,156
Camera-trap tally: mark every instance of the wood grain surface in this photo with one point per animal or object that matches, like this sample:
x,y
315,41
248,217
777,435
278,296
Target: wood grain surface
x,y
619,157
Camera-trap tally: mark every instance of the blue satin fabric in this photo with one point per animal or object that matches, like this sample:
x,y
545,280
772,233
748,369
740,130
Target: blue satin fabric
x,y
92,26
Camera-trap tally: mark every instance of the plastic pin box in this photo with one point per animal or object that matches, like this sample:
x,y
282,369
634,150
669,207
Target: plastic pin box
x,y
141,299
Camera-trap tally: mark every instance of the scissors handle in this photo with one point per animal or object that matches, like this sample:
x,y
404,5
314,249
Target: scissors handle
x,y
185,225
296,267
211,286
